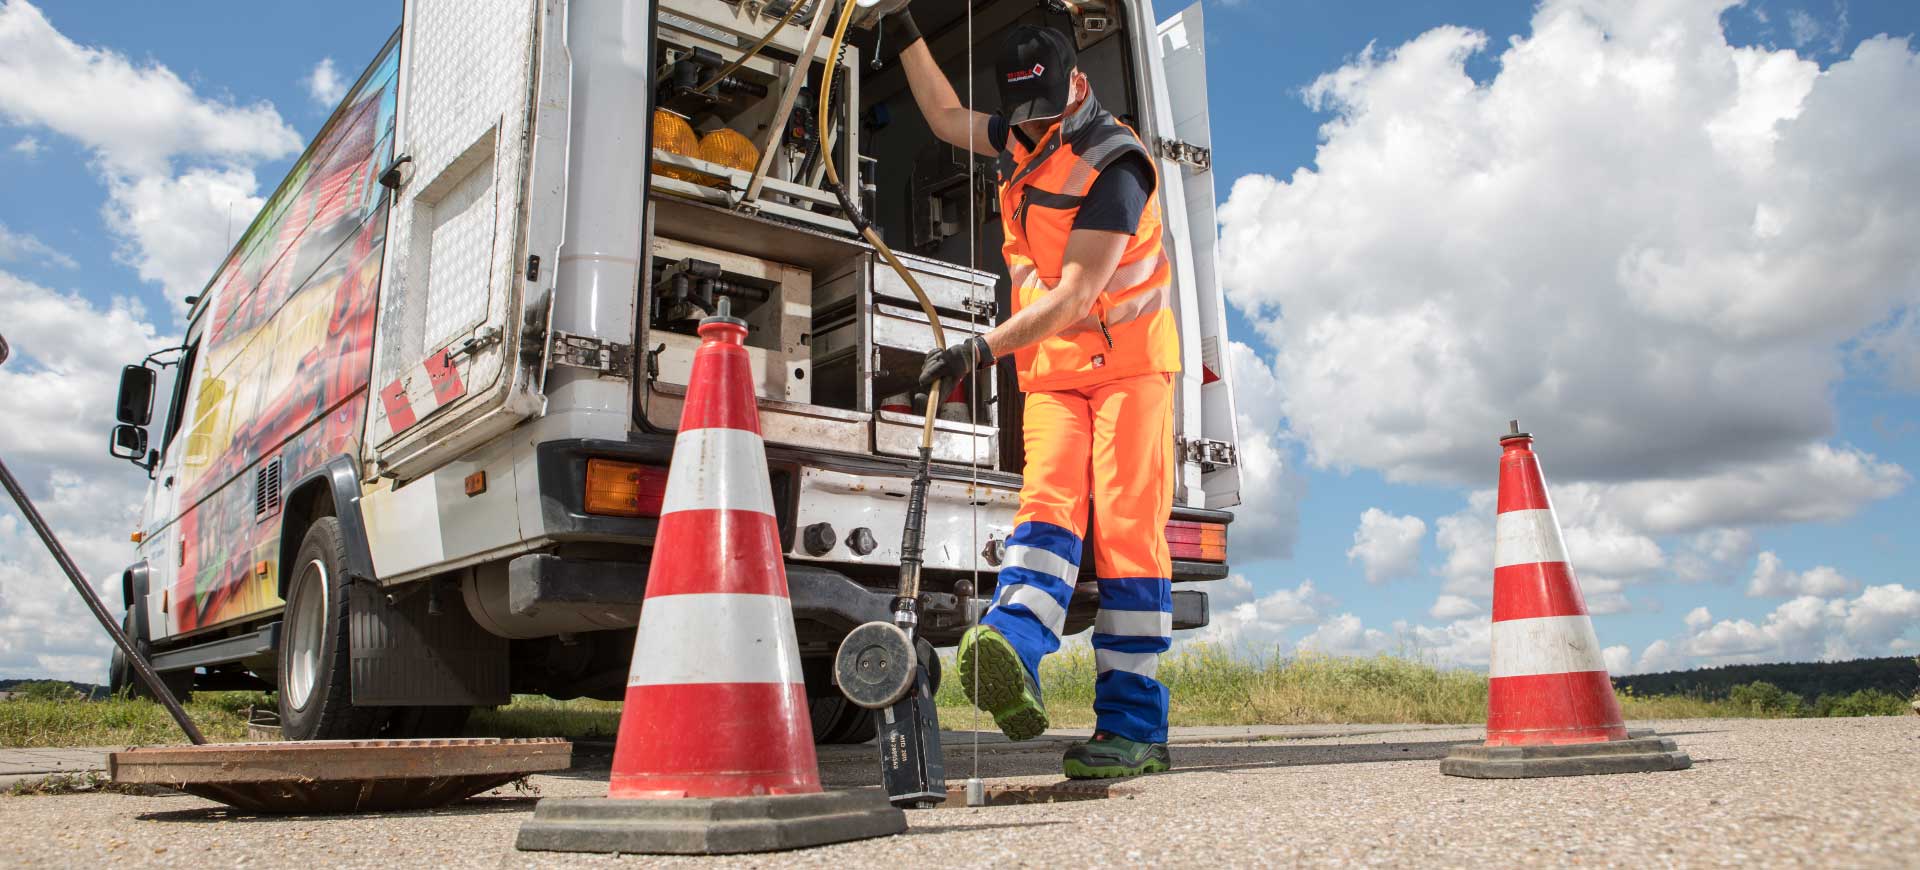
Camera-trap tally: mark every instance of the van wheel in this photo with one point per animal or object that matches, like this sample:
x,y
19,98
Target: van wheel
x,y
316,700
837,720
121,678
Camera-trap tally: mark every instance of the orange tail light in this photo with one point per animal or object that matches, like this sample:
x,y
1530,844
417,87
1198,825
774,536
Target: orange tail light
x,y
1196,541
624,489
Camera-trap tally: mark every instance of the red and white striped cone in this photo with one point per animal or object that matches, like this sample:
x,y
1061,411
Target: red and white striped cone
x,y
1551,710
715,750
1548,681
716,706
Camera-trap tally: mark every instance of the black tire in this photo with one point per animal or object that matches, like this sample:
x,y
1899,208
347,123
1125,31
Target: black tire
x,y
315,697
121,678
837,720
409,722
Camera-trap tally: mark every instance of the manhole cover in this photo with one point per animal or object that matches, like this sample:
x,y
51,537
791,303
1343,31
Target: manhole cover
x,y
1009,794
340,776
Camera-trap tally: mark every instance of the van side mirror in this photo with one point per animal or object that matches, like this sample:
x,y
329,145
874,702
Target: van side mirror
x,y
135,407
129,443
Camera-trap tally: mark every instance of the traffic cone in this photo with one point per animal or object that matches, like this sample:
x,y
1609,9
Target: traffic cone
x,y
715,749
1551,710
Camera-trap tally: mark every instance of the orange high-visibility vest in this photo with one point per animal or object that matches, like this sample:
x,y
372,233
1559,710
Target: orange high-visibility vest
x,y
1130,330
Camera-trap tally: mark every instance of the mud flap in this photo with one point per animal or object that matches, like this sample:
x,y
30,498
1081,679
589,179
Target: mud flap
x,y
416,645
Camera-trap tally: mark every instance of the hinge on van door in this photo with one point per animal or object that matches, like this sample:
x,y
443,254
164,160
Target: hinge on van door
x,y
1209,453
586,352
1187,153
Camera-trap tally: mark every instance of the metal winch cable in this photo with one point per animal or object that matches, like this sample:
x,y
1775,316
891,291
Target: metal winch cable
x,y
753,52
976,789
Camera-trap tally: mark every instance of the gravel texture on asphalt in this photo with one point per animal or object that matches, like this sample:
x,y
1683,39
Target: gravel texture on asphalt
x,y
1828,792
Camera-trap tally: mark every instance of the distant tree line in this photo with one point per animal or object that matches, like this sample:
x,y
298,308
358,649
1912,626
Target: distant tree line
x,y
1897,676
51,690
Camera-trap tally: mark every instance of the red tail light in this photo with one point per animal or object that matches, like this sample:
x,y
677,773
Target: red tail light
x,y
624,489
1196,541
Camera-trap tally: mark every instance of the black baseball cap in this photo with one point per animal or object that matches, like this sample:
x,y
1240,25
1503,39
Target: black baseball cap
x,y
1033,72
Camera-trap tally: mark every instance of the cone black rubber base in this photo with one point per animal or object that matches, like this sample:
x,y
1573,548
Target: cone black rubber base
x,y
709,826
1637,754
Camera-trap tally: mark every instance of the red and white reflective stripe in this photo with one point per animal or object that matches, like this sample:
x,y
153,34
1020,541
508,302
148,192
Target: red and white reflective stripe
x,y
718,469
1545,645
1524,537
715,638
430,385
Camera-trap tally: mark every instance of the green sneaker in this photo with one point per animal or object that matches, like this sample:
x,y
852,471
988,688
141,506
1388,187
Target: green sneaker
x,y
995,681
1107,756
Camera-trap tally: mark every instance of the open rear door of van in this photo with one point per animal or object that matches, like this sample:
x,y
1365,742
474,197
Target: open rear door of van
x,y
1207,430
482,148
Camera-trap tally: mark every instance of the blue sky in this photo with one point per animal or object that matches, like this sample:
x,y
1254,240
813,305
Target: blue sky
x,y
59,191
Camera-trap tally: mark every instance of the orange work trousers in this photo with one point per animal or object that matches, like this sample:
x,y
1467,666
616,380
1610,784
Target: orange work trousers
x,y
1109,445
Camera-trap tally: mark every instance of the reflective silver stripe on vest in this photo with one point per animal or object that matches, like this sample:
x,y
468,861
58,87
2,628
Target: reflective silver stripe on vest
x,y
1141,304
1110,141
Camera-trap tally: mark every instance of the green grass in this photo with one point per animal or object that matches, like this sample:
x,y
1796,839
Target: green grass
x,y
540,716
222,717
1210,686
122,721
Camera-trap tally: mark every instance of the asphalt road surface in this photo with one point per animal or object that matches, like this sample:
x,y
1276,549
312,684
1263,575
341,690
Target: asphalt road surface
x,y
1810,792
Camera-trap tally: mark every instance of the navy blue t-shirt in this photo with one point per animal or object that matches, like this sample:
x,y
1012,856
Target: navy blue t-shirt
x,y
1118,197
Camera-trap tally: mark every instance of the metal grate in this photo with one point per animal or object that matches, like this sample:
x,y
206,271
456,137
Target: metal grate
x,y
266,489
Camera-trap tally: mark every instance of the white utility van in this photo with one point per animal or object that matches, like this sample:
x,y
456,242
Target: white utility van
x,y
412,459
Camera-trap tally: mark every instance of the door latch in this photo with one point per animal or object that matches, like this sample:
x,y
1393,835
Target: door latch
x,y
586,352
485,338
1208,453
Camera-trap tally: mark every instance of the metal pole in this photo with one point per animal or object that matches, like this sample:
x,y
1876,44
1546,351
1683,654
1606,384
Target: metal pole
x,y
134,658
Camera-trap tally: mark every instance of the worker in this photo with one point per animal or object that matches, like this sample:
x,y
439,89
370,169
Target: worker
x,y
1093,337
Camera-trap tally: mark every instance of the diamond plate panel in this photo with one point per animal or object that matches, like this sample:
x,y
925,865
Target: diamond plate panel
x,y
460,253
465,108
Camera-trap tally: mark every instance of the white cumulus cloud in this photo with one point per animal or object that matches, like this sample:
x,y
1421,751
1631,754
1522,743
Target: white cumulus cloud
x,y
27,146
22,247
174,162
56,394
1772,578
1881,620
1614,239
1464,642
324,84
1254,625
1267,522
1453,607
1387,546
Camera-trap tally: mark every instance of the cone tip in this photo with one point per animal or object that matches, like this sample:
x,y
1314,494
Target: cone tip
x,y
1514,433
723,313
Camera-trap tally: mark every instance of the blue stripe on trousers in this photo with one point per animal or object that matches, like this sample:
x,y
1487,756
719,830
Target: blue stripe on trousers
x,y
1031,637
1130,705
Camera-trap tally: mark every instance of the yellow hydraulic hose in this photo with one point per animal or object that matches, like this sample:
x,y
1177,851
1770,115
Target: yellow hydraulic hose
x,y
755,50
873,238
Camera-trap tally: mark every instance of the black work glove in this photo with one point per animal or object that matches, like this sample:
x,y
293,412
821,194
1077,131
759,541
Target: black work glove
x,y
898,30
948,366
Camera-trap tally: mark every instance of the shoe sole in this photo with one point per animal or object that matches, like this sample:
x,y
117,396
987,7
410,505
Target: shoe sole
x,y
990,664
1077,770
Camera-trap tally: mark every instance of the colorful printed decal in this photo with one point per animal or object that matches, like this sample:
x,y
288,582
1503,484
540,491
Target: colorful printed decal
x,y
285,359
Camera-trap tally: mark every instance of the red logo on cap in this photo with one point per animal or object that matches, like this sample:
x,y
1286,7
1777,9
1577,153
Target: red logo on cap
x,y
1026,75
